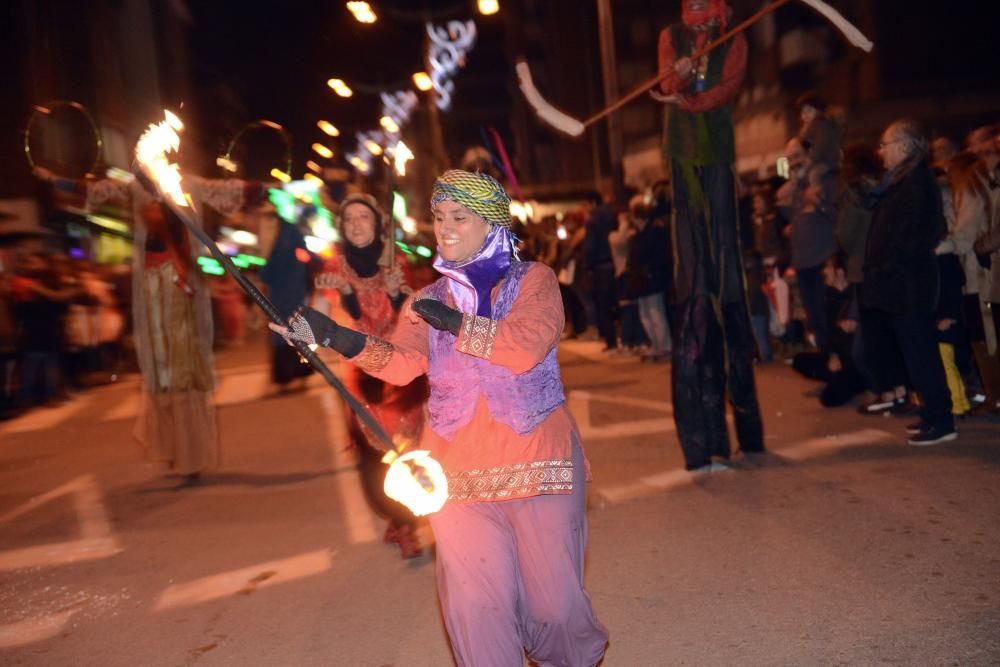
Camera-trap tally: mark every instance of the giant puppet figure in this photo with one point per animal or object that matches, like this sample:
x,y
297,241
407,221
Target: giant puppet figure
x,y
713,347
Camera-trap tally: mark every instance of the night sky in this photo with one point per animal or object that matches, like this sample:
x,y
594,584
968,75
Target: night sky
x,y
275,58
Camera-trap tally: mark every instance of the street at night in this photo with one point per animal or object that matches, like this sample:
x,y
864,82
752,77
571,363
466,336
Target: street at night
x,y
499,333
843,546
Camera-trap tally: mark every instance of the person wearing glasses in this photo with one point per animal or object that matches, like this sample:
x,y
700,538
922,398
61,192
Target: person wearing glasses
x,y
901,278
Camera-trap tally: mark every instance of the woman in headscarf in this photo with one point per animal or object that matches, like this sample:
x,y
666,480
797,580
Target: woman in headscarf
x,y
363,290
512,536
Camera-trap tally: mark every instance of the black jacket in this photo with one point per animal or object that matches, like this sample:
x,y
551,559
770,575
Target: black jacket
x,y
900,269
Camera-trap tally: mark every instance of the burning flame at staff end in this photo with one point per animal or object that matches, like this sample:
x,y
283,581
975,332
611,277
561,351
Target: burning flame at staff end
x,y
151,151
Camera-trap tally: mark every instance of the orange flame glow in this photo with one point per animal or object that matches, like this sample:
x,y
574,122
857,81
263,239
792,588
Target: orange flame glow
x,y
151,151
402,485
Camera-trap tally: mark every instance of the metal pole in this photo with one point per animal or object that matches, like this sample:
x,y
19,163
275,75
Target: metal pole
x,y
609,74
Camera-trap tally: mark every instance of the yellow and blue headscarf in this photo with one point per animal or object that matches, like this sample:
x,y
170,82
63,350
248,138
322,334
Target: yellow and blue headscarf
x,y
478,192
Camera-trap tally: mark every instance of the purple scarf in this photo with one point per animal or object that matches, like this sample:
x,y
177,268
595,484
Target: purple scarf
x,y
472,281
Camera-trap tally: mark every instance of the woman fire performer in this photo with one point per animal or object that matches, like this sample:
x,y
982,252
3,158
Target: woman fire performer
x,y
371,295
512,536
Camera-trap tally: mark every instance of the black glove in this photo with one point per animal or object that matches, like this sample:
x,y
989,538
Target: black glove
x,y
313,327
438,315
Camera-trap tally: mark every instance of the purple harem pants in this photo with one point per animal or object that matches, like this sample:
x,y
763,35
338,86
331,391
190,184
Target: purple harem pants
x,y
510,580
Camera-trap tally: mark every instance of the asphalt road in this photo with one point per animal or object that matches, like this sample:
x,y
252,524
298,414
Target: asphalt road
x,y
844,546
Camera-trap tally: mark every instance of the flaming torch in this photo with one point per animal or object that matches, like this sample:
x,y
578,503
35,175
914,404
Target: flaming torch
x,y
414,478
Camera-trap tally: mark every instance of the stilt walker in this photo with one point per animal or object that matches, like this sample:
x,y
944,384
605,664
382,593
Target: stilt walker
x,y
713,341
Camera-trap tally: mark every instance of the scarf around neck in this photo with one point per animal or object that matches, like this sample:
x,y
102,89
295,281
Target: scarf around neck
x,y
364,260
472,281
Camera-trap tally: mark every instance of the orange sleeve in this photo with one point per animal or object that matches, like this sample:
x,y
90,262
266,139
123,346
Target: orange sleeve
x,y
521,340
733,71
400,359
666,57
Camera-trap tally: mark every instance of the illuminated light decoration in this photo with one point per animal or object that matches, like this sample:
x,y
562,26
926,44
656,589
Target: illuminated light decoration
x,y
784,168
446,54
389,124
225,163
119,175
211,266
373,147
401,485
280,175
109,223
322,150
284,203
253,259
405,248
303,255
339,87
313,166
240,262
424,251
488,7
398,206
408,224
422,81
328,127
316,245
401,154
240,236
362,11
397,106
521,211
561,233
312,177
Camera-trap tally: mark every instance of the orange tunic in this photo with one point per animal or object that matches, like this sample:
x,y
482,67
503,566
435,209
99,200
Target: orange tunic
x,y
487,460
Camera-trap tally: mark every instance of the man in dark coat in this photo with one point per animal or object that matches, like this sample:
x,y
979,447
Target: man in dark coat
x,y
901,282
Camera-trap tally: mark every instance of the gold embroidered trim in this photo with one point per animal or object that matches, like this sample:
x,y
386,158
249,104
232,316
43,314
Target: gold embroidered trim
x,y
512,481
375,356
477,335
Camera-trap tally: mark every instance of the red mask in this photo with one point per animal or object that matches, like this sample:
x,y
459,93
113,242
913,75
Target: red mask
x,y
716,9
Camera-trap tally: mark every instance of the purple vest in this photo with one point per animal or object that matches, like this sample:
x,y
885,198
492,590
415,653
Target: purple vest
x,y
519,401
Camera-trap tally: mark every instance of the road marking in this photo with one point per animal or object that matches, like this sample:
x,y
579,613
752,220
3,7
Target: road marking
x,y
816,446
672,479
34,629
579,405
360,521
245,580
97,539
40,419
593,350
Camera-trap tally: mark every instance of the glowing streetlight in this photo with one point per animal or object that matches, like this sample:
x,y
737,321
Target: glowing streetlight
x,y
363,12
486,7
389,124
422,81
401,154
360,164
322,150
340,87
328,127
